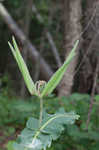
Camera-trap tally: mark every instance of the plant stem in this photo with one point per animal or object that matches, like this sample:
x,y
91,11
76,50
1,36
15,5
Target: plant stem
x,y
41,111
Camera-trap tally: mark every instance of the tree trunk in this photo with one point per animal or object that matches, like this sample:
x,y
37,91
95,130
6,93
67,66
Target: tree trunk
x,y
91,46
72,16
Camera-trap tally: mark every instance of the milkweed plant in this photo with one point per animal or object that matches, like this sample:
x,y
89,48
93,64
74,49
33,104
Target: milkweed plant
x,y
39,133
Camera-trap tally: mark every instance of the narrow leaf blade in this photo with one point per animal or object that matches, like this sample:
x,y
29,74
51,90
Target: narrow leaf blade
x,y
56,78
22,66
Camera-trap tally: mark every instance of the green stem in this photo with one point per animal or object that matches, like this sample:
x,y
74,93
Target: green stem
x,y
41,111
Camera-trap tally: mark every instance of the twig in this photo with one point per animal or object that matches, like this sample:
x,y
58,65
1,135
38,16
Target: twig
x,y
49,37
92,95
88,50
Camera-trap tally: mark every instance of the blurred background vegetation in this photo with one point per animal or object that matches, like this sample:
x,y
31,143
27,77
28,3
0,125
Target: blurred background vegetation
x,y
46,31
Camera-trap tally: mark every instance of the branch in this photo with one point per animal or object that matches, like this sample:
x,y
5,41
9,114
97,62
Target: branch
x,y
92,94
37,66
49,37
44,67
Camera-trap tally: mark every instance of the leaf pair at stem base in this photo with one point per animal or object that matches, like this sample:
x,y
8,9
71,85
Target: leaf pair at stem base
x,y
52,83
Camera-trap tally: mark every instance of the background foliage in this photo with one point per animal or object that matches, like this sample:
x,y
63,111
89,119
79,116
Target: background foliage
x,y
74,137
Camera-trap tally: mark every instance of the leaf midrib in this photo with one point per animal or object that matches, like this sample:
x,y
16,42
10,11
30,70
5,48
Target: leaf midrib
x,y
49,121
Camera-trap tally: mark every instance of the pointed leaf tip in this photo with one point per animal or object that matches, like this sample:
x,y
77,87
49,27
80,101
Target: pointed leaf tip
x,y
22,66
56,78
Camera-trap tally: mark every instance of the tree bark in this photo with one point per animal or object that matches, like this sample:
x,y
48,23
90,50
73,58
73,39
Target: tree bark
x,y
91,46
72,15
45,70
49,37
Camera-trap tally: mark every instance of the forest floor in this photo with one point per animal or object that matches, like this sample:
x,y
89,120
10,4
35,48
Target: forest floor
x,y
7,135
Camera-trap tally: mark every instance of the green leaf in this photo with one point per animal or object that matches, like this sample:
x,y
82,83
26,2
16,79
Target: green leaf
x,y
54,81
32,123
23,68
74,132
79,97
51,128
97,97
10,145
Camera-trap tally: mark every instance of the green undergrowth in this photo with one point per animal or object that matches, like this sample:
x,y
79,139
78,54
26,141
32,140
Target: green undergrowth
x,y
15,112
